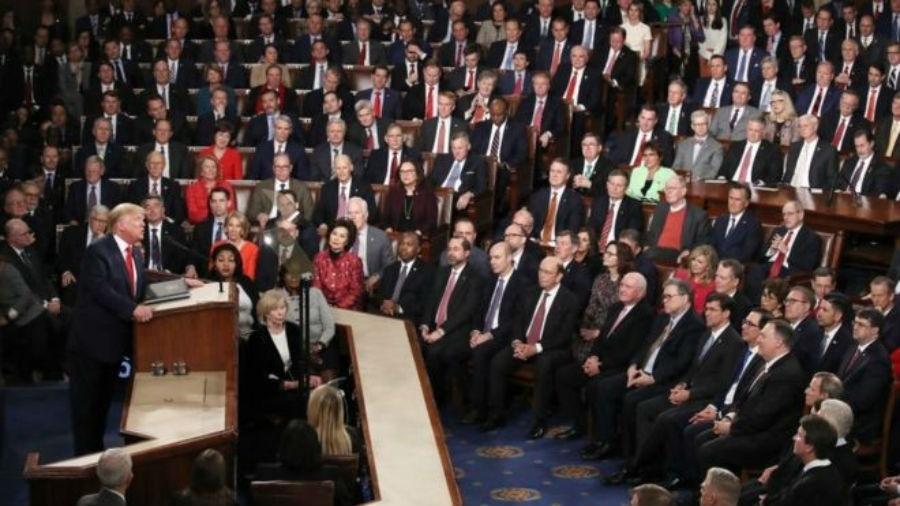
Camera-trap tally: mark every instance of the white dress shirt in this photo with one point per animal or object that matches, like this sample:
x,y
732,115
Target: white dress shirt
x,y
804,161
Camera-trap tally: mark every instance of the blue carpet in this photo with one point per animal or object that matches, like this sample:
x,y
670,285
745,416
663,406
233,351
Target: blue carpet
x,y
503,466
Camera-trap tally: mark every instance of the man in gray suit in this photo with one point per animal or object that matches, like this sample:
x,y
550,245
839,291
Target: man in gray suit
x,y
701,155
671,245
363,50
263,204
324,154
372,244
114,474
730,122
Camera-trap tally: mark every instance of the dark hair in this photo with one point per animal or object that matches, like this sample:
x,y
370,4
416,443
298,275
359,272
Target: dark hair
x,y
351,231
823,272
864,132
764,316
624,257
778,287
734,266
238,262
299,449
726,303
873,316
820,434
224,126
783,330
841,303
219,189
208,473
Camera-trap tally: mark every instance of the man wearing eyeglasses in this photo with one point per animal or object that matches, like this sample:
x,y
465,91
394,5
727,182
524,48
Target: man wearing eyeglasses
x,y
808,336
792,248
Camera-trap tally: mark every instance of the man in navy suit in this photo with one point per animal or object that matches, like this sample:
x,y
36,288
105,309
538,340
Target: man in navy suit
x,y
612,211
502,139
715,90
538,24
112,154
819,98
589,31
862,172
793,247
90,191
110,289
185,71
557,207
383,165
737,234
541,111
209,122
823,43
834,314
744,60
405,283
329,205
261,127
625,147
838,128
451,53
153,183
501,52
554,51
518,80
121,124
811,162
385,101
578,85
315,30
282,142
406,31
461,170
229,62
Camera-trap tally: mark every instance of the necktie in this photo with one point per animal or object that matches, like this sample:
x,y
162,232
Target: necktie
x,y
557,56
29,89
26,259
654,349
610,62
821,46
622,314
395,167
544,26
850,363
744,171
857,174
550,220
173,72
320,73
607,224
520,83
706,346
589,35
271,126
129,269
766,97
494,306
155,254
92,198
588,170
342,203
507,60
453,178
538,114
441,135
334,154
839,134
714,97
219,231
770,47
870,106
376,107
404,271
279,148
48,185
495,144
639,156
459,54
155,189
429,109
735,16
121,70
283,255
537,322
742,67
361,60
570,90
441,315
817,103
778,261
672,125
730,226
470,80
370,140
892,138
892,81
734,117
798,68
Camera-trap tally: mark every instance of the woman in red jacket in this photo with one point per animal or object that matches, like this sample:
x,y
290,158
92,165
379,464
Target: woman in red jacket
x,y
237,229
197,193
338,270
229,158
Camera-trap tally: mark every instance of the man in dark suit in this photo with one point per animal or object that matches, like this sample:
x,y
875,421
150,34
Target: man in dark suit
x,y
887,135
174,97
819,98
427,87
554,51
282,142
74,240
541,111
500,306
229,60
324,155
538,23
817,167
874,95
405,76
744,60
145,125
114,466
49,177
365,129
613,348
808,338
839,128
209,122
405,284
274,82
612,211
385,101
506,142
578,85
664,356
526,254
436,134
211,230
112,154
589,31
178,161
823,43
675,113
452,53
754,161
90,191
315,30
126,71
591,170
715,90
121,124
383,165
500,53
27,85
261,127
626,147
556,207
363,50
109,294
694,227
541,335
728,280
462,171
793,247
737,234
833,313
517,81
266,36
346,183
449,316
153,183
864,173
815,439
186,75
162,241
106,82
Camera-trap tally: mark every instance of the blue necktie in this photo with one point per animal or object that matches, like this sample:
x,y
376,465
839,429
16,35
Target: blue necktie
x,y
494,307
742,67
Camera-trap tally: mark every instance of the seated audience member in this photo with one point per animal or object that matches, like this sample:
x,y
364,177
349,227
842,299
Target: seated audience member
x,y
647,180
214,81
701,154
754,161
759,423
220,148
332,108
324,354
337,192
324,156
462,79
475,107
628,146
478,258
300,459
104,83
219,112
114,474
642,263
763,89
699,274
383,165
237,229
283,245
866,375
834,314
838,128
462,171
772,296
676,113
154,183
274,81
500,303
449,315
281,142
335,81
811,162
720,487
541,336
556,207
713,91
366,130
737,234
325,412
177,158
406,282
793,247
157,110
74,240
819,99
91,191
386,102
814,443
590,172
613,211
501,138
807,336
541,111
198,193
111,153
208,478
424,88
227,267
163,240
650,494
411,204
676,226
121,125
263,203
261,127
874,94
782,127
576,275
372,246
729,275
863,173
882,294
436,134
524,259
338,270
730,121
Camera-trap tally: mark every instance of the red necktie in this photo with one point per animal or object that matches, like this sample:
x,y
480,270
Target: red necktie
x,y
129,269
534,333
607,224
839,134
376,108
538,114
570,90
361,60
557,55
441,315
370,141
640,154
520,83
550,220
459,54
441,134
395,166
870,107
429,110
778,261
817,103
470,80
743,173
29,89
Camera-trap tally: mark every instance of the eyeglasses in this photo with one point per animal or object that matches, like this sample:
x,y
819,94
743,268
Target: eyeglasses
x,y
861,323
513,235
668,296
749,324
795,301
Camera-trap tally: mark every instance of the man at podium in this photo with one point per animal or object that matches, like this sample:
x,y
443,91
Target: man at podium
x,y
110,291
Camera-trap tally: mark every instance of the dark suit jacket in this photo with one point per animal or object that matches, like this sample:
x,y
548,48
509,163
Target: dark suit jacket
x,y
103,498
35,275
73,241
551,119
743,242
446,54
807,70
428,133
569,210
143,128
257,131
701,88
171,193
103,328
822,168
709,375
178,99
206,128
415,288
623,70
473,177
327,203
622,145
829,124
181,163
377,55
578,279
356,133
629,215
677,351
602,167
253,52
289,107
808,344
767,413
113,160
559,323
867,385
462,309
513,145
76,198
265,368
497,51
588,90
414,102
378,164
684,117
805,252
124,130
694,232
832,46
617,348
390,102
514,294
94,97
576,33
507,83
831,358
400,73
320,166
173,259
754,69
806,96
264,157
877,181
766,166
882,102
303,47
544,57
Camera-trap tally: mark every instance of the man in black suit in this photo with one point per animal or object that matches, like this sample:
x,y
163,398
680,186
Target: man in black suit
x,y
163,240
261,127
718,350
817,167
557,207
336,194
754,161
675,113
614,345
445,17
541,335
462,171
217,30
727,281
737,234
421,100
386,102
324,155
526,255
792,247
761,90
500,53
627,147
464,77
112,154
49,177
578,85
274,81
590,172
209,122
229,60
145,125
823,43
86,193
212,230
383,165
542,112
500,307
74,240
405,284
838,129
174,97
109,294
185,72
538,23
125,71
121,124
759,422
815,442
27,84
612,211
106,82
282,142
808,338
617,64
452,52
864,173
833,313
154,183
694,227
874,95
665,355
436,134
178,162
265,36
449,316
554,50
577,276
365,129
715,90
315,30
866,375
588,31
503,140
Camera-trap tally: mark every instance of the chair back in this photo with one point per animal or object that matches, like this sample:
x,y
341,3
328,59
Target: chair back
x,y
292,493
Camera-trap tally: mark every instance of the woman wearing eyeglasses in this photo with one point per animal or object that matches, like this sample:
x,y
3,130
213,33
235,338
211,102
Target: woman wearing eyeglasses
x,y
782,127
650,177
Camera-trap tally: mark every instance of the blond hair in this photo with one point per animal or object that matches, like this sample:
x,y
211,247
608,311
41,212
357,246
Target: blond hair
x,y
121,211
326,414
269,301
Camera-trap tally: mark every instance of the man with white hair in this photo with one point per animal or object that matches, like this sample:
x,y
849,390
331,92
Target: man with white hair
x,y
701,154
115,475
283,142
324,155
720,488
367,130
372,245
810,163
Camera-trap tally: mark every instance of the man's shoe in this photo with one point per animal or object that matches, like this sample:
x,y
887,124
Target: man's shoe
x,y
537,431
598,452
569,434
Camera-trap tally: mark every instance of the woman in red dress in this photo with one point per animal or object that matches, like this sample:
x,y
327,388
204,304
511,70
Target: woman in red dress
x,y
197,193
229,158
338,270
700,274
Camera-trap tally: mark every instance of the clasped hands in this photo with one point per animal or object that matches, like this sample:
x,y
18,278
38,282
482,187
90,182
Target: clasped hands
x,y
523,351
637,378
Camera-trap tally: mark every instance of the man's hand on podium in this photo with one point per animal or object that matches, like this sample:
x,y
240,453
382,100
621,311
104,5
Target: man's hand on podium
x,y
193,283
142,313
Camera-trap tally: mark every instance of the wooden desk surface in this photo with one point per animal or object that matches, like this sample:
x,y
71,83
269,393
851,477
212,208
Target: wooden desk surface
x,y
404,436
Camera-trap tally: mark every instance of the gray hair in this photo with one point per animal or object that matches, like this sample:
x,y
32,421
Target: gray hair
x,y
337,121
839,414
726,485
284,118
362,105
99,209
700,114
361,202
114,468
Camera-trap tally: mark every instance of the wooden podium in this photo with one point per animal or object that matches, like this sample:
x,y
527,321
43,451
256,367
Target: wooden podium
x,y
166,420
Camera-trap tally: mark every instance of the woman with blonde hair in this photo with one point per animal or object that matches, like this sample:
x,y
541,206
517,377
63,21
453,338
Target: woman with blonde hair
x,y
782,126
700,274
325,413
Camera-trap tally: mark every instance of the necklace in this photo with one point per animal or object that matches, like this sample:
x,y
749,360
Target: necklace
x,y
407,207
